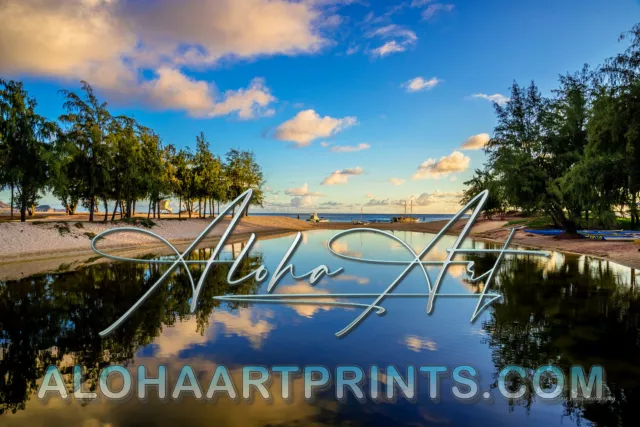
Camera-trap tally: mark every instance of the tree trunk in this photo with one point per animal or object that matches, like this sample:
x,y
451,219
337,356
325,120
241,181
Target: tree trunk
x,y
115,208
149,210
205,207
92,205
23,208
158,209
106,210
180,207
134,207
12,200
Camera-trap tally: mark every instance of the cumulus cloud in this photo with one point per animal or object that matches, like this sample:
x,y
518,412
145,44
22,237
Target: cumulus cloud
x,y
172,90
350,148
247,103
117,44
426,199
396,181
476,142
302,191
303,201
432,169
384,202
497,98
418,84
342,176
307,125
331,205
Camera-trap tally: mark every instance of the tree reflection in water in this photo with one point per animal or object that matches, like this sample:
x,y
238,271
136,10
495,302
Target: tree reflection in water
x,y
569,311
47,319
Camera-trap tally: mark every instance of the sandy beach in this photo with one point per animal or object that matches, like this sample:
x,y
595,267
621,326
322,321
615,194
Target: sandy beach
x,y
51,244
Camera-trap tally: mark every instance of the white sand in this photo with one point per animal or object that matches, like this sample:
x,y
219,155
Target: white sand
x,y
21,239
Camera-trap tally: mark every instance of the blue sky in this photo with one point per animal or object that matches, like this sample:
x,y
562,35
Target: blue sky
x,y
304,84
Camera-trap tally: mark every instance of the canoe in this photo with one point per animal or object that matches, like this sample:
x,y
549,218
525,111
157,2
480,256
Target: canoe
x,y
607,235
546,232
614,237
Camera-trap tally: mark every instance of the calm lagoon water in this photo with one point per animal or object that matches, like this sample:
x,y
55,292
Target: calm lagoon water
x,y
564,310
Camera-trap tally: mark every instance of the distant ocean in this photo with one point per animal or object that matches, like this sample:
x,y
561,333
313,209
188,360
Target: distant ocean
x,y
348,217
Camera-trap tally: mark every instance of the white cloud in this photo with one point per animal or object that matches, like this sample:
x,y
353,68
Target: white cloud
x,y
476,142
393,31
114,44
433,9
384,202
370,196
353,50
350,148
396,181
172,90
307,125
455,162
417,84
247,103
302,191
388,48
331,205
303,201
401,39
437,196
497,98
342,176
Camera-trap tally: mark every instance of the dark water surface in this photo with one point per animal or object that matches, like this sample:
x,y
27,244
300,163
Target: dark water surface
x,y
565,310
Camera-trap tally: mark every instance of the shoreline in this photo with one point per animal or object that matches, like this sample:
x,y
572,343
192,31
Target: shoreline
x,y
49,246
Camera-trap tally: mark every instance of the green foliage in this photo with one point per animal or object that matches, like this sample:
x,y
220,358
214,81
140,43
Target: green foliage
x,y
573,156
96,157
26,153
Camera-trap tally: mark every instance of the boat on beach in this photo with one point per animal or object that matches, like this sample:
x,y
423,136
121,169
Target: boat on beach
x,y
406,218
315,218
360,221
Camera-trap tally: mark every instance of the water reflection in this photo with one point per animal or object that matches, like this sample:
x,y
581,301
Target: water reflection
x,y
571,311
55,318
564,310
